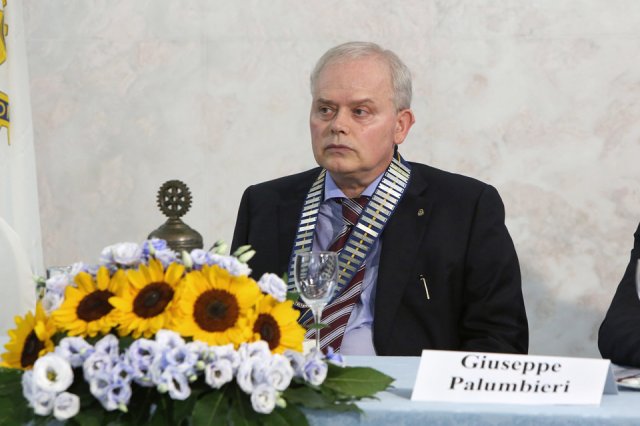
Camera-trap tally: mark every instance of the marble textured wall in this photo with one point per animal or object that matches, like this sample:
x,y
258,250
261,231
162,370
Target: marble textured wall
x,y
541,99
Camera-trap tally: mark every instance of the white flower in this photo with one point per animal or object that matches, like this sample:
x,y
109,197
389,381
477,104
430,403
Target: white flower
x,y
252,372
297,360
66,405
51,302
42,402
279,372
273,285
218,373
52,373
127,254
58,283
314,370
263,398
259,349
99,384
166,256
169,339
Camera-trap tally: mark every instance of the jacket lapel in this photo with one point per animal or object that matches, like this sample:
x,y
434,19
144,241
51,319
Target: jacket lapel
x,y
400,241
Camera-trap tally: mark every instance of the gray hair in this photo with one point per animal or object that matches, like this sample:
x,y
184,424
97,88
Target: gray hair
x,y
400,74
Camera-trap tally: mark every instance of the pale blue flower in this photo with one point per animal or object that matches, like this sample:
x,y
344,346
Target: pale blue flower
x,y
175,382
65,406
263,398
201,352
314,370
140,356
166,256
218,373
200,257
335,357
42,402
152,246
122,370
117,396
279,372
97,362
83,267
273,285
52,373
226,352
109,345
75,350
231,264
99,384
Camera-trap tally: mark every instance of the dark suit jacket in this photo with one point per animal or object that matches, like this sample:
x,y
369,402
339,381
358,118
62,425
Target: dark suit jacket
x,y
619,336
459,244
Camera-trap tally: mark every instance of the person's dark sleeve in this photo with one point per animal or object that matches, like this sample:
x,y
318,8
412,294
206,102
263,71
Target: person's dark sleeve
x,y
493,317
241,230
619,335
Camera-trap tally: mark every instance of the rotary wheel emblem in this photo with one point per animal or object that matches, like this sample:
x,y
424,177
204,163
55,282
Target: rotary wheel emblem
x,y
174,199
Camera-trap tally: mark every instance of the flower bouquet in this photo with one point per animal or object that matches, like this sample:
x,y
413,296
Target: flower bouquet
x,y
151,336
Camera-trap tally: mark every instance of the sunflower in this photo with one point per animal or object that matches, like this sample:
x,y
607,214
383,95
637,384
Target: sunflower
x,y
86,310
29,340
146,305
215,306
277,324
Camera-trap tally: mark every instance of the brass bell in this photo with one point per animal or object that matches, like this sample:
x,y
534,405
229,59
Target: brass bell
x,y
174,200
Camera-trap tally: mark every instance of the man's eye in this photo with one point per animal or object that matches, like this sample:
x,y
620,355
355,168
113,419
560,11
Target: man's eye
x,y
324,110
360,112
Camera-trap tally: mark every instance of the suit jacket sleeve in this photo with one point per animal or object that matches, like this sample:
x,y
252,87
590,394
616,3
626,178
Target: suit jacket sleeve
x,y
493,313
619,335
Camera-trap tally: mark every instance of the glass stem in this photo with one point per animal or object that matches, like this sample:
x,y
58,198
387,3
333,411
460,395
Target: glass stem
x,y
317,314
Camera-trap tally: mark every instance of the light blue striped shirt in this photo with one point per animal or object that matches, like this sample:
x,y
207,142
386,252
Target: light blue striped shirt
x,y
358,336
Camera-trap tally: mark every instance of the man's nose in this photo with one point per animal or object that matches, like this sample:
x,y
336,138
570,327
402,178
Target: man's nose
x,y
340,123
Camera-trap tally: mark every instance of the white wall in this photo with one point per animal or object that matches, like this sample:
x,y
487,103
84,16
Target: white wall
x,y
541,99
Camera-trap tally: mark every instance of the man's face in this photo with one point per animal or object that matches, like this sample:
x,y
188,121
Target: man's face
x,y
354,122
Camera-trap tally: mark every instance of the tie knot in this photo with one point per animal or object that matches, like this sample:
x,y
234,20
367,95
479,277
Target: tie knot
x,y
352,208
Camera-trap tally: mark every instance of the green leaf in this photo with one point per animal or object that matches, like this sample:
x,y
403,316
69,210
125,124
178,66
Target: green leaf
x,y
292,414
317,326
211,409
356,381
307,397
10,381
242,413
293,296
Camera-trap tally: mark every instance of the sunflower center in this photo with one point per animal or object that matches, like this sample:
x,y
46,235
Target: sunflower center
x,y
94,305
268,329
30,350
152,300
216,310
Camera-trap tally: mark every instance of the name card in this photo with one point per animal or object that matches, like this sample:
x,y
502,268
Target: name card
x,y
516,379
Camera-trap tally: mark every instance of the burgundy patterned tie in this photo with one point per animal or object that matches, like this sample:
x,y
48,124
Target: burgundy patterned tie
x,y
336,314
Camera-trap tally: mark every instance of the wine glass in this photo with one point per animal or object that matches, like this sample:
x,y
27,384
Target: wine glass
x,y
316,276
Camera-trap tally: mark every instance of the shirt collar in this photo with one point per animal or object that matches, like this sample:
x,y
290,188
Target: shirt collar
x,y
331,190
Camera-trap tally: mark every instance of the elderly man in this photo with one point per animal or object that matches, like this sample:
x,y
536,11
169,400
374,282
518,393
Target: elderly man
x,y
619,335
426,261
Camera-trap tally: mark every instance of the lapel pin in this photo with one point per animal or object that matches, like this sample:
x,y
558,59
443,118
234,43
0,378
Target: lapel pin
x,y
421,212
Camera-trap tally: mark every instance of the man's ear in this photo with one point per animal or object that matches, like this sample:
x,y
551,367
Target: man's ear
x,y
404,121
